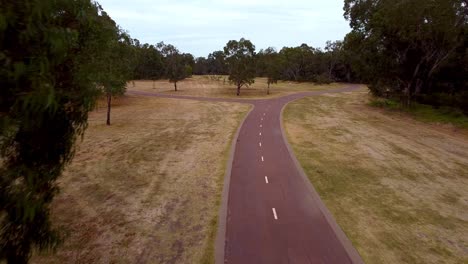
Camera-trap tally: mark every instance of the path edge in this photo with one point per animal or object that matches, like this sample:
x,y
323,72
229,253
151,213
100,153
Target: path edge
x,y
220,241
348,246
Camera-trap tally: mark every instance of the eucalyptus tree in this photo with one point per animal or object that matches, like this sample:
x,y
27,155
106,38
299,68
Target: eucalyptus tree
x,y
49,76
116,60
217,63
272,66
410,41
240,57
178,66
150,64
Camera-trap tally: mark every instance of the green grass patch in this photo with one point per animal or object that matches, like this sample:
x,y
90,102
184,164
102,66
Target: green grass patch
x,y
425,113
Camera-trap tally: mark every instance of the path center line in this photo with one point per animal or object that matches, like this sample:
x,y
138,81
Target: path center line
x,y
260,144
266,179
262,159
274,214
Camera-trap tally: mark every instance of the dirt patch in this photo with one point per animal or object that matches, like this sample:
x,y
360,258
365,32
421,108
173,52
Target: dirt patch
x,y
145,189
397,187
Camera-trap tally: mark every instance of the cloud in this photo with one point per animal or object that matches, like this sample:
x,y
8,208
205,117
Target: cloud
x,y
200,27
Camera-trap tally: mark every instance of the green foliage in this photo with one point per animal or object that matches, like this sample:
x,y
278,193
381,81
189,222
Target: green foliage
x,y
408,45
241,62
426,113
149,62
215,64
178,66
323,78
51,57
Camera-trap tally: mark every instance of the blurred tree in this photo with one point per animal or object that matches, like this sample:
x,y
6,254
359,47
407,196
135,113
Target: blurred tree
x,y
50,57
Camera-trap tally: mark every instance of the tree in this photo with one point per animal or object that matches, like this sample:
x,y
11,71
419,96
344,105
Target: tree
x,y
201,66
177,69
272,66
411,40
48,76
117,59
333,56
177,65
240,59
217,63
149,63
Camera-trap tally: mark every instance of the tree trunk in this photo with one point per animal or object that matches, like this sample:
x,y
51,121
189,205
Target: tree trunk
x,y
175,86
109,101
407,96
238,90
419,85
348,75
268,89
330,71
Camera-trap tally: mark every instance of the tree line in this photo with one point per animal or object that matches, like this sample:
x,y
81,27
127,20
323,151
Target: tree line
x,y
58,57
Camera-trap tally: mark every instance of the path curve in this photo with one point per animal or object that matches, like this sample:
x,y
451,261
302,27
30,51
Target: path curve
x,y
270,211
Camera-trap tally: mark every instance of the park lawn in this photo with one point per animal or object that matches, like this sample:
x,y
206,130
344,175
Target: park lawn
x,y
211,86
148,188
398,187
426,113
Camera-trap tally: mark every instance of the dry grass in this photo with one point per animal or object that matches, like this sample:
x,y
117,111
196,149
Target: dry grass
x,y
206,86
397,187
147,188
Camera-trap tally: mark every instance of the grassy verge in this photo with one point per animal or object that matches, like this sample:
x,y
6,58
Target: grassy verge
x,y
426,113
147,188
397,187
206,86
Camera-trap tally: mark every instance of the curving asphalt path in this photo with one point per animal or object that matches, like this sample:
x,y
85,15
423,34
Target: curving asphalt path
x,y
270,212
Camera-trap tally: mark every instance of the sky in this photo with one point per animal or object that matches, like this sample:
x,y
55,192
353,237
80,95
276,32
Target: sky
x,y
201,27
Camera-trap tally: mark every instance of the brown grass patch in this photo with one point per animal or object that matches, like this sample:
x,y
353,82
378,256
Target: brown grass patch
x,y
206,86
397,187
146,189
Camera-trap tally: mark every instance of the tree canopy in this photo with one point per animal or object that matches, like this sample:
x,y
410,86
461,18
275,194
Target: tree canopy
x,y
240,60
404,46
52,56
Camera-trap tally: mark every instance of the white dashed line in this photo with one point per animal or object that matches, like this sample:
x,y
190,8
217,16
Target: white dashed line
x,y
260,133
261,126
274,214
262,159
266,179
260,144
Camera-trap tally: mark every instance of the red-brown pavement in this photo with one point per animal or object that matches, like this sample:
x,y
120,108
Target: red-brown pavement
x,y
273,214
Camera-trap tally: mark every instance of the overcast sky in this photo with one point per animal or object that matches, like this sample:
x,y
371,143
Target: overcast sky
x,y
203,26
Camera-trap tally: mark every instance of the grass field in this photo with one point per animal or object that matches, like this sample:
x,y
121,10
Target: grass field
x,y
146,189
398,187
206,86
426,113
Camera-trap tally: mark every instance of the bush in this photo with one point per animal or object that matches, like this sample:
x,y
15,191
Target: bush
x,y
323,79
385,103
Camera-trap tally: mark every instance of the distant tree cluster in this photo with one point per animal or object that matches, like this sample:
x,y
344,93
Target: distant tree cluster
x,y
161,61
303,63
